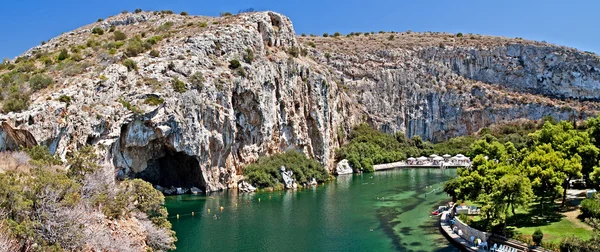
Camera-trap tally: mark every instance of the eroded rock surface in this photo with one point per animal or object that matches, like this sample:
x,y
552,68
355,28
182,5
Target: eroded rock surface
x,y
291,95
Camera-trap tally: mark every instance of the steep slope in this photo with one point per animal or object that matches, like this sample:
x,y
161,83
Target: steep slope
x,y
187,115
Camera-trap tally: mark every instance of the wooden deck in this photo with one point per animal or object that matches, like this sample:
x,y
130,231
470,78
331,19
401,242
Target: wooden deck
x,y
402,164
458,241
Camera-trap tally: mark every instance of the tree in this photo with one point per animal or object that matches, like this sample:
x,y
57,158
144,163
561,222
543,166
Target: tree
x,y
512,190
544,167
537,237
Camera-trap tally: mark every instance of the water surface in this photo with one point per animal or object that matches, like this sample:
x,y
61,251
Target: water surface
x,y
335,216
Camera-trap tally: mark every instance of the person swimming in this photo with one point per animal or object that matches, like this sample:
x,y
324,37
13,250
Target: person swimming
x,y
371,229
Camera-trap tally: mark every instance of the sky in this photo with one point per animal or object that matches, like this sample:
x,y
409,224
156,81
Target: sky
x,y
25,23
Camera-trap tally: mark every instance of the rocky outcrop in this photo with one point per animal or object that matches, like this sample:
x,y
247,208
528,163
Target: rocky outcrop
x,y
291,95
343,167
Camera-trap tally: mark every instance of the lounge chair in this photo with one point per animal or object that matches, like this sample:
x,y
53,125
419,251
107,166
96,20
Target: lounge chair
x,y
495,247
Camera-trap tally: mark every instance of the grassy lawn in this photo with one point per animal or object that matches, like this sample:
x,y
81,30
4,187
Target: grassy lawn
x,y
555,223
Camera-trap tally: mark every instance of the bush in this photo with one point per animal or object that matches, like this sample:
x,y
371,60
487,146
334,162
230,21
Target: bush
x,y
249,56
178,85
459,34
119,36
40,155
234,64
111,28
136,46
40,81
154,101
63,55
130,106
165,27
293,51
265,172
130,64
65,98
16,102
98,30
183,13
337,34
124,11
325,35
154,40
197,80
100,20
203,24
155,53
537,237
137,10
225,14
591,207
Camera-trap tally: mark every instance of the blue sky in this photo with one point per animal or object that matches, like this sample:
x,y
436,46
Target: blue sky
x,y
25,23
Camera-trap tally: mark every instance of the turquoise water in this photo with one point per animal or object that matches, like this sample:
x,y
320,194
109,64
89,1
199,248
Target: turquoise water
x,y
335,216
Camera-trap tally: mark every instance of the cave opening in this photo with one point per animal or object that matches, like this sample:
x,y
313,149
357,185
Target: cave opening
x,y
175,169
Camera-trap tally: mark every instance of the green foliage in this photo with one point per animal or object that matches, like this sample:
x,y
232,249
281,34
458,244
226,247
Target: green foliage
x,y
225,14
178,85
459,35
590,207
100,20
183,13
16,102
325,35
130,107
249,56
369,146
154,101
573,243
165,27
82,162
265,172
154,53
137,10
154,40
65,98
202,24
130,64
537,237
98,30
119,36
40,81
63,55
136,46
234,64
293,51
337,34
40,155
111,28
197,80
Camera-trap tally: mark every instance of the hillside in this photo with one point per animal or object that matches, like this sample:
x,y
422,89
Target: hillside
x,y
205,96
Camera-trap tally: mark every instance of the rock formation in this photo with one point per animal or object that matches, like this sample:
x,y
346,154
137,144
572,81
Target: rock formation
x,y
294,92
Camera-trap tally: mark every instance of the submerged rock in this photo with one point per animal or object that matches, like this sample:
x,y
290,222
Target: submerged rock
x,y
343,167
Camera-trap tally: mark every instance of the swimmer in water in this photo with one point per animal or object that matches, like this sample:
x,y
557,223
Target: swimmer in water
x,y
371,229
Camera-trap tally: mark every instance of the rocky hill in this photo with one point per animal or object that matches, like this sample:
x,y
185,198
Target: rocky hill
x,y
205,96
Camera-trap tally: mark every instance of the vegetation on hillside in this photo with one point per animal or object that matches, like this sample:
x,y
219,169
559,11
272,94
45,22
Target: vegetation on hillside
x,y
47,207
503,178
266,171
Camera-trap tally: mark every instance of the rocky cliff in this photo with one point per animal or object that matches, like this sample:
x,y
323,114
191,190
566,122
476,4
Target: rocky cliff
x,y
188,115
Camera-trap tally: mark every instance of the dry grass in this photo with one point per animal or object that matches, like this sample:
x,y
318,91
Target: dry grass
x,y
14,161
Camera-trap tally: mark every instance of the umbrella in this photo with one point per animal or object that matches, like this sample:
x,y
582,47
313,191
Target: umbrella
x,y
460,155
422,158
438,158
411,159
433,155
446,156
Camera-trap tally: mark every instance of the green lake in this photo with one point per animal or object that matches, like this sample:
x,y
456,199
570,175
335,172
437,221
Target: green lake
x,y
335,216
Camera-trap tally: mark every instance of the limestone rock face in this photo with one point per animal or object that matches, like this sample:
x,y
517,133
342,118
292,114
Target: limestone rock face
x,y
343,167
291,95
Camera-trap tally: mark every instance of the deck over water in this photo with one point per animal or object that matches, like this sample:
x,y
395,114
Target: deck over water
x,y
403,164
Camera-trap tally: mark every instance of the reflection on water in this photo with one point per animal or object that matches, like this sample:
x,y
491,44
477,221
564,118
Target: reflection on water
x,y
335,216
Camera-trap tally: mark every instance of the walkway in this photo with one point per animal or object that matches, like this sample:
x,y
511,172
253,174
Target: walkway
x,y
402,164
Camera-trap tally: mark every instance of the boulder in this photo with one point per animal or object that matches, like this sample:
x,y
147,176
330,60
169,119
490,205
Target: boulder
x,y
246,187
195,190
182,190
343,167
170,190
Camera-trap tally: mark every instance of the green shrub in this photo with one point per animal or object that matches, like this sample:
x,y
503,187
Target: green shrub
x,y
63,55
92,43
459,34
178,85
137,10
136,46
203,24
130,64
165,27
537,237
234,64
100,20
197,80
591,207
65,98
325,35
249,56
183,13
98,30
111,28
225,14
119,36
154,40
154,101
154,53
311,44
124,11
40,81
16,102
293,51
40,155
130,106
265,172
114,45
337,34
